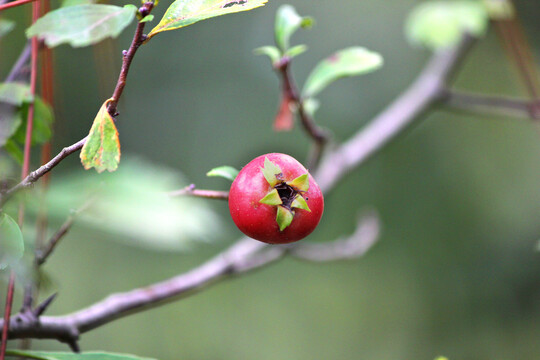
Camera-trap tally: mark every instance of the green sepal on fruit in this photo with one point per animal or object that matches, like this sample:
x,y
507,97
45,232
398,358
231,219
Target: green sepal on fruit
x,y
284,217
291,193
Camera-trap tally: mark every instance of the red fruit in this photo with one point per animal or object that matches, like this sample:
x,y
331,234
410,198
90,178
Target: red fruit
x,y
275,200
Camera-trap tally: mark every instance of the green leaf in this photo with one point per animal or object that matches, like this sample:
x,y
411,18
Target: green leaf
x,y
300,203
270,172
147,18
42,123
14,150
15,93
311,105
271,51
66,3
347,62
440,24
499,9
82,25
295,51
11,241
186,12
6,26
133,205
102,148
284,217
46,355
227,172
10,121
272,198
301,183
287,22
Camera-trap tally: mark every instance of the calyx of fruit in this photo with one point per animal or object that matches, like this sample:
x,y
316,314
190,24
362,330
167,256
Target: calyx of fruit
x,y
285,195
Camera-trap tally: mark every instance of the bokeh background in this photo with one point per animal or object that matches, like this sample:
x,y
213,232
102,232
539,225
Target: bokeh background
x,y
456,271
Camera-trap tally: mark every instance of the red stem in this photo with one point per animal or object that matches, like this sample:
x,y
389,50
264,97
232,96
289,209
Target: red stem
x,y
24,173
14,4
7,314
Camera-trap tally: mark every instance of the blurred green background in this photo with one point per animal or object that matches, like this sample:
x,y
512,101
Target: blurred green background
x,y
457,269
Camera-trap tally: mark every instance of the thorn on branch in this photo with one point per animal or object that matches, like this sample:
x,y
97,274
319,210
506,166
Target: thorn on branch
x,y
40,309
74,345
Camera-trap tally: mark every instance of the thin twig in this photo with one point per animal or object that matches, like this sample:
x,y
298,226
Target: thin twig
x,y
20,63
44,169
43,254
190,190
491,104
318,135
244,256
14,4
395,118
137,41
7,314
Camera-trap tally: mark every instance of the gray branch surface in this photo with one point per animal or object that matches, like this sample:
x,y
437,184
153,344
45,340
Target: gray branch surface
x,y
247,254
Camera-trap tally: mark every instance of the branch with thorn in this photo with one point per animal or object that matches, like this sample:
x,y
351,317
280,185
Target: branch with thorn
x,y
242,257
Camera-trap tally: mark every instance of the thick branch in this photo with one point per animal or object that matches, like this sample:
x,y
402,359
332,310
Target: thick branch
x,y
400,114
244,256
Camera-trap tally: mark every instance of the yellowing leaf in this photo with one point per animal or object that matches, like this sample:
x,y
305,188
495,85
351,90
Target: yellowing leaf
x,y
186,12
102,148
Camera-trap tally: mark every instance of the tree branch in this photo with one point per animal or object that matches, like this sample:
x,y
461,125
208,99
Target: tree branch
x,y
43,254
138,39
190,190
38,173
492,104
399,115
244,256
290,93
